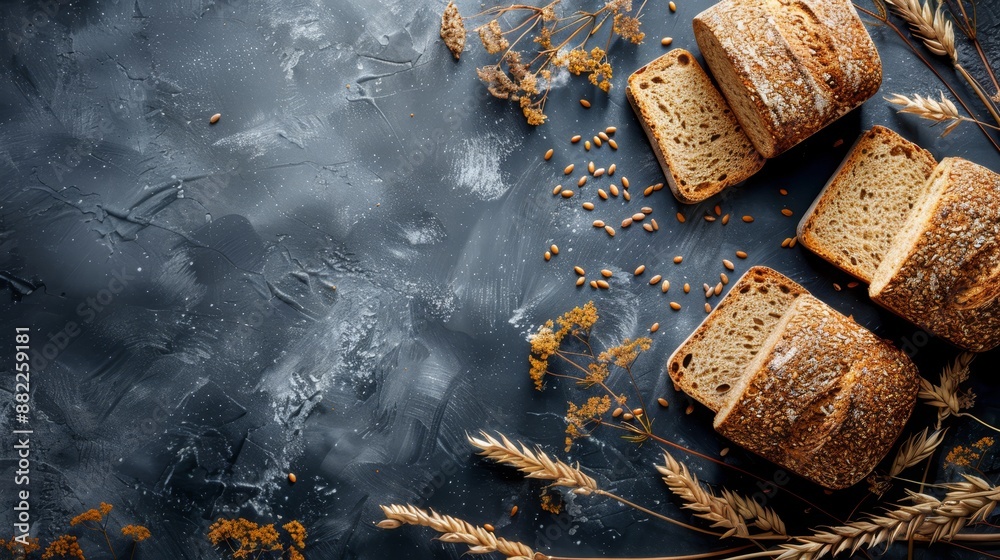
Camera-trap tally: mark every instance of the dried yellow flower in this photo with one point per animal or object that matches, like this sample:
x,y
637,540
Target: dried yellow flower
x,y
492,37
628,28
453,30
65,546
296,532
137,532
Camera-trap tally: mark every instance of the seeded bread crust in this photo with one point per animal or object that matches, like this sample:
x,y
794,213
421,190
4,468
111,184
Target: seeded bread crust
x,y
824,398
788,67
854,219
699,143
712,360
943,271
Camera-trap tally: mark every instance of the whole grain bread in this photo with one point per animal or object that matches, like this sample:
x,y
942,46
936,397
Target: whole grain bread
x,y
699,143
788,67
713,359
943,269
824,397
853,221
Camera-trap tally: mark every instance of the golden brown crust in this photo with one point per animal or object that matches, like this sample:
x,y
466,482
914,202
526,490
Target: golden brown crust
x,y
825,398
820,227
735,157
943,272
788,67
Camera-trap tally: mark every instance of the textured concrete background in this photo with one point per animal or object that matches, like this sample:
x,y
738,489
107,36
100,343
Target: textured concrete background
x,y
325,285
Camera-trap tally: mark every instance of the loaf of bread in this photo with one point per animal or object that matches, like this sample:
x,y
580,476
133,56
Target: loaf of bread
x,y
856,216
943,269
824,397
700,145
788,67
796,382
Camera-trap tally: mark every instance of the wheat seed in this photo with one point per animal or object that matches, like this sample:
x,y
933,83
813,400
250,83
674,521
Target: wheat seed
x,y
580,281
579,271
786,212
548,154
618,412
611,129
597,141
607,273
709,218
741,254
626,222
728,264
718,288
292,478
603,284
610,230
675,306
582,181
569,169
625,182
628,416
612,168
640,269
648,191
586,145
567,194
614,189
588,206
680,218
548,256
724,278
613,144
599,172
853,285
590,167
665,286
657,186
663,402
836,287
708,307
654,328
656,226
678,259
513,511
783,192
603,136
215,118
748,219
599,223
593,284
673,7
725,219
575,139
666,41
554,248
638,217
687,288
557,190
626,196
585,103
648,227
602,194
488,527
655,280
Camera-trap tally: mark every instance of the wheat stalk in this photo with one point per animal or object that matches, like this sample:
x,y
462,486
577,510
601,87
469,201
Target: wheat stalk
x,y
930,109
915,449
764,518
700,499
927,518
453,530
931,27
945,396
533,463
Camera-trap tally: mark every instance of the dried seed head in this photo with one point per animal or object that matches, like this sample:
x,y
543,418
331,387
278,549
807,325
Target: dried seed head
x,y
548,154
675,306
569,169
640,269
607,273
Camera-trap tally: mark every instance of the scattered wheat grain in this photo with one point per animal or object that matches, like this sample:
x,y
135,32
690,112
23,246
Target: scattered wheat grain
x,y
613,144
665,286
681,218
640,269
663,402
585,103
675,306
603,284
741,254
569,169
748,219
654,328
728,264
626,222
575,139
567,194
725,219
786,212
666,41
215,118
588,206
598,223
548,154
610,230
678,259
602,194
648,227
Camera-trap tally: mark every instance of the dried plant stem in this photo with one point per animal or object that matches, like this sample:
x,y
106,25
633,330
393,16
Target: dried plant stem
x,y
938,111
534,463
884,20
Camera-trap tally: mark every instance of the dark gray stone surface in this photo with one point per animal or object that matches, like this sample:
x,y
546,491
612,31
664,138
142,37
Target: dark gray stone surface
x,y
323,284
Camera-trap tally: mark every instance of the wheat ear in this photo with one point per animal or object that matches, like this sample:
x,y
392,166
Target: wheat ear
x,y
533,463
701,500
764,518
454,530
926,518
933,29
930,109
915,449
945,396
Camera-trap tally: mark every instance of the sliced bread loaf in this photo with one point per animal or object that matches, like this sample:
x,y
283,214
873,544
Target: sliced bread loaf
x,y
943,269
856,216
788,67
695,136
713,359
824,397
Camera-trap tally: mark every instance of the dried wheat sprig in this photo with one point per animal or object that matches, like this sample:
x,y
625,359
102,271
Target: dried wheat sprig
x,y
931,27
453,530
764,518
702,500
945,396
915,449
926,518
930,109
534,463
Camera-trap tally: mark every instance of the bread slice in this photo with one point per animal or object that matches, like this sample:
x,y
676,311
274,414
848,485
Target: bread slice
x,y
824,397
788,67
858,213
694,134
943,269
713,359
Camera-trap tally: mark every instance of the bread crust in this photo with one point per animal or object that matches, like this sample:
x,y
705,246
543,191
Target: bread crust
x,y
788,67
825,398
815,216
943,272
689,194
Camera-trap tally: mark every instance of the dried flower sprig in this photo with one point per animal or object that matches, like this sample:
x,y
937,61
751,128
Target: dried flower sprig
x,y
454,530
562,44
